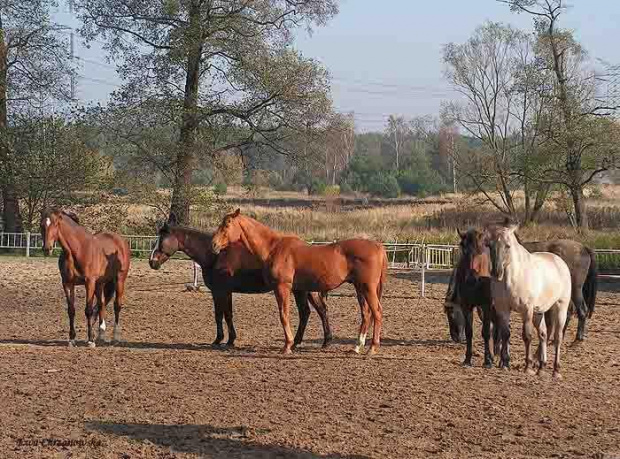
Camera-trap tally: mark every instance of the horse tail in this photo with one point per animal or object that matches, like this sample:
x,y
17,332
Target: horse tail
x,y
590,286
383,278
108,290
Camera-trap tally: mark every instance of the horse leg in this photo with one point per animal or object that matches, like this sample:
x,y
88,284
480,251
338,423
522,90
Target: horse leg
x,y
527,340
320,306
101,311
560,315
468,313
540,322
88,311
503,321
486,335
496,335
70,296
301,299
582,313
119,300
365,311
377,315
219,304
228,316
283,294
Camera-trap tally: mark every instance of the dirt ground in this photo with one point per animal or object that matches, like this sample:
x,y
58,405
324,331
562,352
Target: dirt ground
x,y
166,393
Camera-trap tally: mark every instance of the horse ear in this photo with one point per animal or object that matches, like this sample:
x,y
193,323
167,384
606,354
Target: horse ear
x,y
172,219
236,213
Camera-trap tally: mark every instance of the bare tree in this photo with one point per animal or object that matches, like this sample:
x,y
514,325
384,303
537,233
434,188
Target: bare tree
x,y
581,141
500,107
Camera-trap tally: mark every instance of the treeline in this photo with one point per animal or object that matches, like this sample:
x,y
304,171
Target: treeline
x,y
411,157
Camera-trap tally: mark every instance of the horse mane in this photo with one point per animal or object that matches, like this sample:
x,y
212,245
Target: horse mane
x,y
60,212
193,232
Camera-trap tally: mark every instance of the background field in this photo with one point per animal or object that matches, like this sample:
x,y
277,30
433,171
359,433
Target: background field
x,y
166,393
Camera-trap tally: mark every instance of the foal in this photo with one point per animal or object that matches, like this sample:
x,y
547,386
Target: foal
x,y
531,284
98,261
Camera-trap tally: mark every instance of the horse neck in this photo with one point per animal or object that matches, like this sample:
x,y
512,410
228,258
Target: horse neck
x,y
519,258
258,238
69,238
195,245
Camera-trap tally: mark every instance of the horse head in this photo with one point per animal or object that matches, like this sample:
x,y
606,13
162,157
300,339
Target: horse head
x,y
500,239
166,245
50,219
227,233
474,252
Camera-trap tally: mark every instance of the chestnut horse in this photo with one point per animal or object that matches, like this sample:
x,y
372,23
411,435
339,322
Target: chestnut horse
x,y
98,261
234,270
291,264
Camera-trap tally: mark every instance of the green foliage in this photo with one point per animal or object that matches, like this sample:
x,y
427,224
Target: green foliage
x,y
384,185
317,186
220,188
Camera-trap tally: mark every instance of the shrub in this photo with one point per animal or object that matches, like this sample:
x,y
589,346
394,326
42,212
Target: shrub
x,y
331,190
220,189
317,187
383,185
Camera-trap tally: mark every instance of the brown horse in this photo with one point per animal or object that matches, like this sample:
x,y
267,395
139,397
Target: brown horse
x,y
234,270
98,261
290,264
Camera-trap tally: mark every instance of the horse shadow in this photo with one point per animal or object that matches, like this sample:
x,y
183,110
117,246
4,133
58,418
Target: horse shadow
x,y
207,441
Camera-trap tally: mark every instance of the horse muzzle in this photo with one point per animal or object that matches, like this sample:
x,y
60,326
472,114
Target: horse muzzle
x,y
215,248
47,251
154,264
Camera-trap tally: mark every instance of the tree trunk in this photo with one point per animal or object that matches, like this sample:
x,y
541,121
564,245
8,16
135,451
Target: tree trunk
x,y
10,209
182,188
579,203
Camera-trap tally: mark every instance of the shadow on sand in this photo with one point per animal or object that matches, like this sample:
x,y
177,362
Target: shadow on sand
x,y
206,440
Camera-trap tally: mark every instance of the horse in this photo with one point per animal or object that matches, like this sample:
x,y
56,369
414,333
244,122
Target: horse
x,y
531,284
581,262
470,287
290,263
233,270
98,261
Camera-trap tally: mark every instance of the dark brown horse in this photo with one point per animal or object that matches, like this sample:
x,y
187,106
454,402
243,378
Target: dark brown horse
x,y
472,289
234,270
291,264
98,261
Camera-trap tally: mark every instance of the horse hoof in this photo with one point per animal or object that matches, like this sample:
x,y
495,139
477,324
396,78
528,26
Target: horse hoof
x,y
356,350
467,364
530,371
557,376
230,345
71,343
488,364
91,344
373,351
286,351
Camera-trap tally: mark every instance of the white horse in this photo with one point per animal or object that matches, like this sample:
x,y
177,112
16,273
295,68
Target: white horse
x,y
531,284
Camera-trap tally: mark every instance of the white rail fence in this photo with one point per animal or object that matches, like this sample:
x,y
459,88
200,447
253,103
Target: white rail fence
x,y
418,257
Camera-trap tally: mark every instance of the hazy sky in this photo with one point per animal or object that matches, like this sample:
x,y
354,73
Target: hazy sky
x,y
384,56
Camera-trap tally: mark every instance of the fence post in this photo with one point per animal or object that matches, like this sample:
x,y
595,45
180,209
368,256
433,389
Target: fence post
x,y
423,270
27,243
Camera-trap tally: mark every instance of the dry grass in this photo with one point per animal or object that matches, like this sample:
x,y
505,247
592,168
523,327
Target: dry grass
x,y
426,220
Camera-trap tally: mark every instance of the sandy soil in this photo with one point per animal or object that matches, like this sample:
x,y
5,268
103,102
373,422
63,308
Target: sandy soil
x,y
166,393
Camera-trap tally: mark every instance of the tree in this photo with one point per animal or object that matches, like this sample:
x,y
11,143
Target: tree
x,y
34,66
580,141
53,162
494,71
397,131
225,69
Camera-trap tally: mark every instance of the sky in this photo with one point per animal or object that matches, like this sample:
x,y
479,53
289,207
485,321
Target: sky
x,y
384,56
